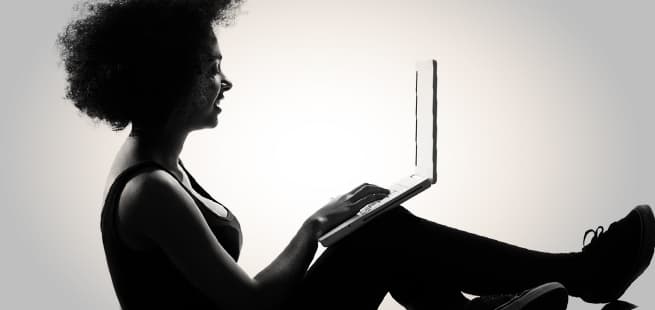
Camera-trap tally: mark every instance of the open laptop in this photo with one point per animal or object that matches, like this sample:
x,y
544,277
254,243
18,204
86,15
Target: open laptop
x,y
425,160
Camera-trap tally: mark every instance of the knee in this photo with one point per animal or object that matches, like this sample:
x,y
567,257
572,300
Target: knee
x,y
395,225
396,219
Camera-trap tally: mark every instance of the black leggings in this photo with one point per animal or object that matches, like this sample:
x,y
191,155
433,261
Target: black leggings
x,y
423,265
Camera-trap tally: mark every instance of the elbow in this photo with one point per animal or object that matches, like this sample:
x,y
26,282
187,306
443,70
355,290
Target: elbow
x,y
266,297
257,297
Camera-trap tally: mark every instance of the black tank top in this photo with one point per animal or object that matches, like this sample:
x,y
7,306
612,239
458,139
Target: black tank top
x,y
148,279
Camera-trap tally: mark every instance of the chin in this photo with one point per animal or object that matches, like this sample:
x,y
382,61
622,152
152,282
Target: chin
x,y
211,124
208,125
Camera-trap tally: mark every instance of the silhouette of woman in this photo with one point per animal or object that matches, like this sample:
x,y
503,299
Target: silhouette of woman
x,y
156,65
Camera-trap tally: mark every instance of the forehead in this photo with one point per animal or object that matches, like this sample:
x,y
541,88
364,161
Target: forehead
x,y
212,51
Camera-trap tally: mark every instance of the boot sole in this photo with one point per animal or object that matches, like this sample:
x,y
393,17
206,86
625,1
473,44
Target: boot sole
x,y
645,252
549,296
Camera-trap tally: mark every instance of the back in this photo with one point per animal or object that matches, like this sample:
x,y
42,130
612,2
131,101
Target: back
x,y
148,279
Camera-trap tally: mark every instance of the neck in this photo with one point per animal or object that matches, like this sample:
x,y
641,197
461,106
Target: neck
x,y
164,147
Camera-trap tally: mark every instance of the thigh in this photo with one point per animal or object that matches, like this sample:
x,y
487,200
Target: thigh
x,y
358,271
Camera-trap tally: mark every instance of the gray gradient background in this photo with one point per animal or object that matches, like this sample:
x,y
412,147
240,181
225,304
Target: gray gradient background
x,y
545,129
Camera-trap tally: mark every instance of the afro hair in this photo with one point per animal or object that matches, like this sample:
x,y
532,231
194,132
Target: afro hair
x,y
130,61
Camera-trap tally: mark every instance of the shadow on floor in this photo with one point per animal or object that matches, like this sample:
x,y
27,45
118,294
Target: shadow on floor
x,y
619,305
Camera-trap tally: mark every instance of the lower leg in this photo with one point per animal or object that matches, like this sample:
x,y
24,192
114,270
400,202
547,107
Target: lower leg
x,y
427,265
475,264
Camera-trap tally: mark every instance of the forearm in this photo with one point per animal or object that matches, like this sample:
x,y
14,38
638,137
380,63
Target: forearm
x,y
287,271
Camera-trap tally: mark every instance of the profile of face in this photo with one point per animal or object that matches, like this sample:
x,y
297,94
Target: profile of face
x,y
210,85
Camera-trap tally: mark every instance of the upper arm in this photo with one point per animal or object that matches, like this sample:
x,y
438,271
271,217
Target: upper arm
x,y
163,212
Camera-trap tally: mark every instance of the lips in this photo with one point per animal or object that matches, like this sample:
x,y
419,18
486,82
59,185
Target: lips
x,y
217,102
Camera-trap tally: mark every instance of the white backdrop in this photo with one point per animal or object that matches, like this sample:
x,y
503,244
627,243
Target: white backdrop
x,y
544,129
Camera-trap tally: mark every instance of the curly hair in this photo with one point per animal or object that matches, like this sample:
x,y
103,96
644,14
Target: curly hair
x,y
131,61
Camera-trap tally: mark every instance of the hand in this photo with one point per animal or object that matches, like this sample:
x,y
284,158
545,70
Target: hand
x,y
345,206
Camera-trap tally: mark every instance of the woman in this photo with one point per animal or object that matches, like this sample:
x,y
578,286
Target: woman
x,y
155,65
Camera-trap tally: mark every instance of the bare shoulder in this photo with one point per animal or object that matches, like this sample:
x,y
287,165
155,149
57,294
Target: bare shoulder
x,y
150,202
149,186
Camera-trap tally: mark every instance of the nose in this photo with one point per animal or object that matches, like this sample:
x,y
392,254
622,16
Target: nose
x,y
225,85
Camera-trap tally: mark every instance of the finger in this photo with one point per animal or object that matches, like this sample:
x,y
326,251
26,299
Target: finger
x,y
381,190
354,194
357,189
369,189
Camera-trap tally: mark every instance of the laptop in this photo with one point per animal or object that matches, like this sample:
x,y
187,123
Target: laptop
x,y
425,159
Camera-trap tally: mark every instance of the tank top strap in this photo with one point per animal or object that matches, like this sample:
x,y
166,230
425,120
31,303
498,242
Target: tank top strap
x,y
117,186
140,167
196,186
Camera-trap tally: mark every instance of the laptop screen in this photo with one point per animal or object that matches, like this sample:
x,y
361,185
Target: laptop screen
x,y
426,120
